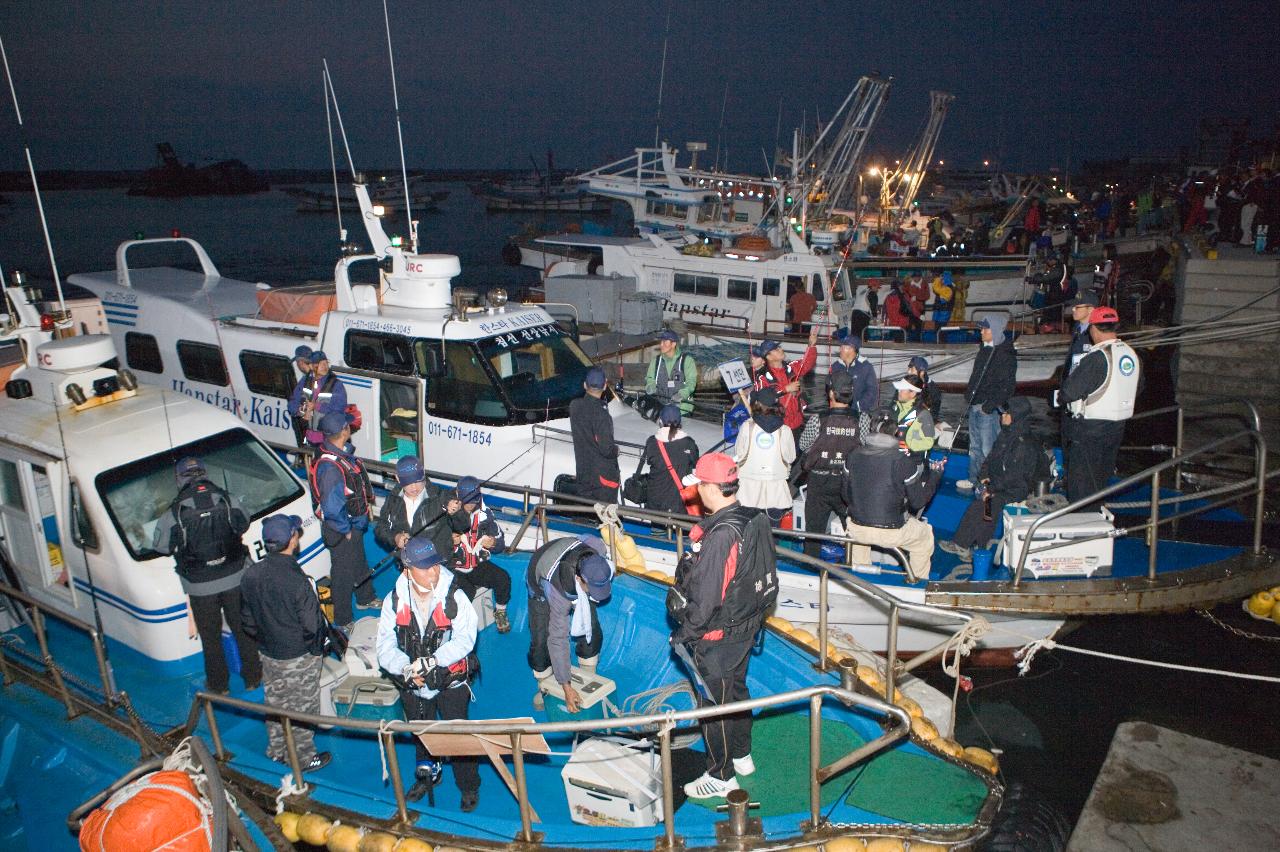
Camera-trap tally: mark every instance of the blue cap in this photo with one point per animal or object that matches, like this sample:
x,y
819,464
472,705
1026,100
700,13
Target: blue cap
x,y
278,529
919,363
766,396
419,552
845,337
189,467
334,422
468,490
669,415
302,351
318,356
597,574
594,542
409,470
668,334
764,347
595,378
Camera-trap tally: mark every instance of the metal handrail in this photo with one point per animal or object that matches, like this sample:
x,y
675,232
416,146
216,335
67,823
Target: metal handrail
x,y
1153,474
900,727
41,609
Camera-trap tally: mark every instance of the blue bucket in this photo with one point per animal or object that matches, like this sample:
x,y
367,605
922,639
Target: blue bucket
x,y
231,651
982,563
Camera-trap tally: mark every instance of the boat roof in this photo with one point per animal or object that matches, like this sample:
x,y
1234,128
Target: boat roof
x,y
589,240
217,295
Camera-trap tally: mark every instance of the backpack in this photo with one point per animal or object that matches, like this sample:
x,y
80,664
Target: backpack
x,y
753,590
208,535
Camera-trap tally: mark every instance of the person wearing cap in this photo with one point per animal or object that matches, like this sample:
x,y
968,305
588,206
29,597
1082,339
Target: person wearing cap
x,y
343,497
785,378
317,393
1081,306
725,586
880,485
416,506
1099,394
866,385
931,394
670,454
427,643
280,609
913,424
202,529
673,374
992,382
301,360
823,463
475,536
566,579
1007,476
594,450
764,452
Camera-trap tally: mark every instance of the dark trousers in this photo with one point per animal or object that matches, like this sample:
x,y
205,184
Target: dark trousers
x,y
1090,457
974,530
300,427
485,575
723,667
822,499
208,610
445,704
596,493
347,567
540,620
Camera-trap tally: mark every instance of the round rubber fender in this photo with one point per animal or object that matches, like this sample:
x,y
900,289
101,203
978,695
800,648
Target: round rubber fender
x,y
1026,822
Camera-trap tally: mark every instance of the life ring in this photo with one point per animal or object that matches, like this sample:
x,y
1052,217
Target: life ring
x,y
753,242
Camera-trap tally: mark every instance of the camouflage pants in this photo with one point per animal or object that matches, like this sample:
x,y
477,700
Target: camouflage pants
x,y
291,685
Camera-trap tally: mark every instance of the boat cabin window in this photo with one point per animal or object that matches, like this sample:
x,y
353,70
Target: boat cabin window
x,y
538,369
740,288
11,487
466,391
86,536
697,285
136,494
819,290
839,286
771,286
142,352
267,374
202,363
382,353
664,208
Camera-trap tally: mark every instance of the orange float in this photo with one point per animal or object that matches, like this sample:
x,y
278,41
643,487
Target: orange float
x,y
160,810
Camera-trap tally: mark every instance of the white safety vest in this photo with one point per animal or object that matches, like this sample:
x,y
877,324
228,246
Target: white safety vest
x,y
1114,398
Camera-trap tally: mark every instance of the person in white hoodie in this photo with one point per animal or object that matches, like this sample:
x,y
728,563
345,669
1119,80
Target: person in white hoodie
x,y
670,454
764,453
427,644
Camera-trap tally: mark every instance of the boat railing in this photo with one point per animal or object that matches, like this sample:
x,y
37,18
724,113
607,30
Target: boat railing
x,y
699,318
1255,487
518,733
207,267
1214,405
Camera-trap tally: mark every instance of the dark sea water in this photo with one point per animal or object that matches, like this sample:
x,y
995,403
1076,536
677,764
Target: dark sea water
x,y
1053,726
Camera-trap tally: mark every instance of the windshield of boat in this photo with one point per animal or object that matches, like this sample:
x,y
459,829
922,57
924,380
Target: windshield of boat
x,y
138,493
537,368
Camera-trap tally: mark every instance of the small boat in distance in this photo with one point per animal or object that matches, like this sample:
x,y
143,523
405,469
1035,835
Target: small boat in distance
x,y
172,178
552,190
390,194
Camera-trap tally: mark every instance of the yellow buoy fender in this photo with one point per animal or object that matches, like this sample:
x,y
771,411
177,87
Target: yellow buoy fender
x,y
344,838
982,758
413,844
1262,604
629,556
845,844
313,829
288,822
779,624
912,707
885,844
378,841
951,748
924,729
804,637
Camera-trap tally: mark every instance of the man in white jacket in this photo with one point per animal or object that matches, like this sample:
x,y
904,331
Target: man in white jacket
x,y
426,643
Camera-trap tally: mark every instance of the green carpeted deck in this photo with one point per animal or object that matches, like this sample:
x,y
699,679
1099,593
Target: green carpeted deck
x,y
895,784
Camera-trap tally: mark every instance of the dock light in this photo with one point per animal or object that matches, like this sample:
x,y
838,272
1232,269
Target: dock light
x,y
175,233
396,242
46,322
379,210
873,171
986,162
497,297
139,235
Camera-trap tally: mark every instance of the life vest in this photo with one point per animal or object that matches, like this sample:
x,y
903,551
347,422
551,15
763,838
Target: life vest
x,y
750,586
318,396
356,488
557,557
1114,398
202,517
667,387
470,546
439,630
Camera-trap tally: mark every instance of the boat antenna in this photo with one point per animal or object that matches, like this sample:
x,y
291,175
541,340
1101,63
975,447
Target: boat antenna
x,y
337,113
333,159
395,98
35,185
724,102
662,78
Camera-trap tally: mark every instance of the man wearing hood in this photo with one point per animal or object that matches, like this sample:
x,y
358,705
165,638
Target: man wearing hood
x,y
427,643
992,382
880,484
1007,476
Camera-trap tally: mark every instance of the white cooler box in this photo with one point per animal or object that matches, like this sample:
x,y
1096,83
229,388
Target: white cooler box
x,y
1068,558
608,783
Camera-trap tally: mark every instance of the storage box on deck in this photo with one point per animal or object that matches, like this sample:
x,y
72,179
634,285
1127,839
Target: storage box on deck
x,y
1074,546
595,298
608,783
592,689
639,313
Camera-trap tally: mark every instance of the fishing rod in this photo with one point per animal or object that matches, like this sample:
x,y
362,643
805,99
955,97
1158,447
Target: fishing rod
x,y
395,98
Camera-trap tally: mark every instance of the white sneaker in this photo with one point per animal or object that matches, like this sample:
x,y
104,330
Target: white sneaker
x,y
706,787
744,765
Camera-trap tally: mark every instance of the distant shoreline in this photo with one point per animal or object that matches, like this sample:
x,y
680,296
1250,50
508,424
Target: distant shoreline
x,y
58,179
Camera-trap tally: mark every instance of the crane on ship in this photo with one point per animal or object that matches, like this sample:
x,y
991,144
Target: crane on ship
x,y
900,184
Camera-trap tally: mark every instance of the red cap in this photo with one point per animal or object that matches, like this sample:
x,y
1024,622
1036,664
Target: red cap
x,y
715,468
1103,314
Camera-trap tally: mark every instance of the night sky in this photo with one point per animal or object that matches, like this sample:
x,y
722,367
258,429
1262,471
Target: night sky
x,y
486,84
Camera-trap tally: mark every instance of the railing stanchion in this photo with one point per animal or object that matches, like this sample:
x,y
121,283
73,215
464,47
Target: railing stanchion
x,y
524,526
1153,531
815,760
214,734
522,788
822,620
668,793
1259,499
891,655
292,751
1178,437
37,622
397,783
104,669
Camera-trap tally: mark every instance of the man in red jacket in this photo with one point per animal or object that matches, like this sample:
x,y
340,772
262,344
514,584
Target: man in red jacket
x,y
784,377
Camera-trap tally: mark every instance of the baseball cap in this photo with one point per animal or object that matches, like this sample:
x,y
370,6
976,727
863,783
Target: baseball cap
x,y
317,356
468,490
841,384
189,466
669,415
765,396
764,347
713,468
845,337
303,351
909,383
594,542
598,575
595,378
278,529
334,422
419,552
409,470
1084,297
985,322
1100,315
919,362
668,334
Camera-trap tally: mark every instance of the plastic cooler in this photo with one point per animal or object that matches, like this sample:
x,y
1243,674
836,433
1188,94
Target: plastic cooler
x,y
1064,547
612,783
592,688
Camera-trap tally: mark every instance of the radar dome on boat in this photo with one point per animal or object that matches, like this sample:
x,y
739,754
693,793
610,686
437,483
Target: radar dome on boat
x,y
421,281
75,354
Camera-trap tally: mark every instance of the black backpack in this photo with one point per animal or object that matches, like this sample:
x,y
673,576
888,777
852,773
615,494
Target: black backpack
x,y
207,534
753,591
